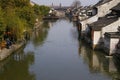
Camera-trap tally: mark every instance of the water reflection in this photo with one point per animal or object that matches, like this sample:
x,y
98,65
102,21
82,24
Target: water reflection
x,y
54,53
40,34
99,63
16,67
116,61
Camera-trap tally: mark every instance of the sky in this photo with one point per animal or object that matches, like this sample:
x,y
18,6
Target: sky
x,y
64,2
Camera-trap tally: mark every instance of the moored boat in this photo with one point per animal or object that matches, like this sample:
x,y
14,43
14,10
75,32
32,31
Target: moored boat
x,y
50,18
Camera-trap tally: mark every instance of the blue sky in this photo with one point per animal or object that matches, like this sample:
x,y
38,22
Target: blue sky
x,y
64,2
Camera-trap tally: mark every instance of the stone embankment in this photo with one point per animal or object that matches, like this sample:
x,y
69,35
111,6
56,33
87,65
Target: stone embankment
x,y
4,53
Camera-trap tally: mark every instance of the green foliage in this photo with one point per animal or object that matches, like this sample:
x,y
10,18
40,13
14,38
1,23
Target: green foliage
x,y
19,15
26,13
42,34
15,24
37,10
2,23
41,10
1,19
44,10
21,3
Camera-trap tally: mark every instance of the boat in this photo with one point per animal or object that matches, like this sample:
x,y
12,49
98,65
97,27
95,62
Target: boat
x,y
50,18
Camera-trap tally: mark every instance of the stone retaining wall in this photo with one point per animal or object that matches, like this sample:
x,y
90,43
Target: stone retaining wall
x,y
4,53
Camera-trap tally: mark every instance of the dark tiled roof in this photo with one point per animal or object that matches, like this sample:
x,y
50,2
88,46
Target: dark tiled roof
x,y
102,2
112,34
117,7
102,22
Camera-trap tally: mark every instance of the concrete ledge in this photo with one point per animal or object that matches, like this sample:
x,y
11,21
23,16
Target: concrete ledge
x,y
4,53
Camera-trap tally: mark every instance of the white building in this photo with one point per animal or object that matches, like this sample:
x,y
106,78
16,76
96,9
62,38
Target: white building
x,y
99,10
111,41
97,30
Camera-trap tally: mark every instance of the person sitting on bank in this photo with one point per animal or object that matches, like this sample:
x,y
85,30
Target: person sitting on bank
x,y
8,43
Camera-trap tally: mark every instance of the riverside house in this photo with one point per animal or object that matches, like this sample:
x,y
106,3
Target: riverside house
x,y
99,10
112,39
111,42
109,23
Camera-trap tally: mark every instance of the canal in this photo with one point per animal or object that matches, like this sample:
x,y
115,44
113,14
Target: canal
x,y
55,53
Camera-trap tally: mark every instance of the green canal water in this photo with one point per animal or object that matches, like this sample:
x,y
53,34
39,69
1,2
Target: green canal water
x,y
55,53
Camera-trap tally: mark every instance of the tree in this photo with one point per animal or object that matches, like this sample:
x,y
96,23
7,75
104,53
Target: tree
x,y
27,13
19,15
22,3
41,10
1,19
2,23
7,4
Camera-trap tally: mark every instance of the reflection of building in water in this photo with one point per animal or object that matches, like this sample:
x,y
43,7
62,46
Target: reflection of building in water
x,y
17,64
16,57
82,51
112,67
97,62
50,24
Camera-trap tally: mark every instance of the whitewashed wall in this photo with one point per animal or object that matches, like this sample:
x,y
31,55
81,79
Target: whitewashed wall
x,y
88,21
110,45
113,43
97,35
102,11
111,28
105,8
60,13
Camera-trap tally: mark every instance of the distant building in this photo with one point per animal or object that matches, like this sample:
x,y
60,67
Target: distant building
x,y
85,12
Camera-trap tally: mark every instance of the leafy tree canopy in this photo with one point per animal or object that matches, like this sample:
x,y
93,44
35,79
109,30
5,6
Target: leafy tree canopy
x,y
19,14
